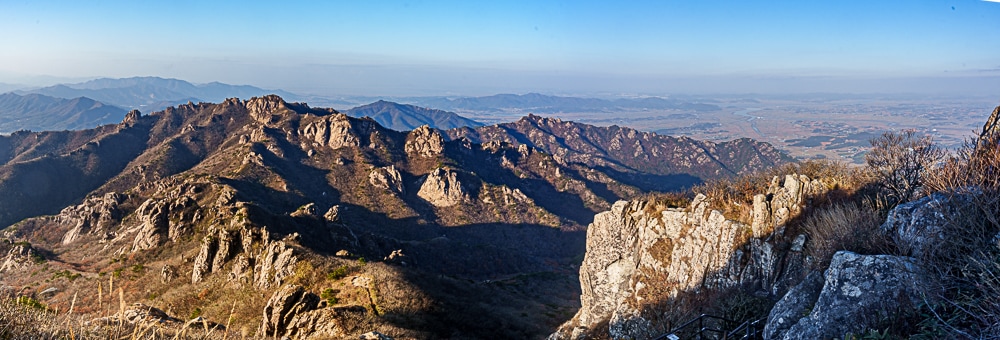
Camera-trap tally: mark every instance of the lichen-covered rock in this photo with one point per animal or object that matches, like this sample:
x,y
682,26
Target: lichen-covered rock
x,y
442,188
795,304
387,177
856,289
424,141
916,226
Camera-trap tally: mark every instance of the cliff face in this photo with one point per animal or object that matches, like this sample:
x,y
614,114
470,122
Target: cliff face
x,y
639,261
638,258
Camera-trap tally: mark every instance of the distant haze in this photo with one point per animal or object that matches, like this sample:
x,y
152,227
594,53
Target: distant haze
x,y
481,48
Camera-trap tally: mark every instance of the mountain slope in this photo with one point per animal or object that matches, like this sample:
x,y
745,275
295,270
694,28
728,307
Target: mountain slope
x,y
152,93
263,203
401,117
38,112
630,156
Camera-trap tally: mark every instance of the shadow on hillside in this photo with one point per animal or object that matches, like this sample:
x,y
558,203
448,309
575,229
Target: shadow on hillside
x,y
652,182
481,280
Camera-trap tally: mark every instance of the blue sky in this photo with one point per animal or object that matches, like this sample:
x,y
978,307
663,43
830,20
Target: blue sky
x,y
478,47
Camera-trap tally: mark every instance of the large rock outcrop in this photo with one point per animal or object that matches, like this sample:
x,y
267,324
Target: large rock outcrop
x,y
296,313
637,255
442,188
856,289
387,177
94,215
424,142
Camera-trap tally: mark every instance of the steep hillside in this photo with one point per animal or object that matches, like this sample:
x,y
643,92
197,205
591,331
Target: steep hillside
x,y
630,156
401,117
39,113
199,204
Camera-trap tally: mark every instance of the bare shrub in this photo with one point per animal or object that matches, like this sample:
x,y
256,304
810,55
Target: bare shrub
x,y
899,163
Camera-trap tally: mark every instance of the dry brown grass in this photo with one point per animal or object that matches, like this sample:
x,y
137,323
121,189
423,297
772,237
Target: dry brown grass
x,y
843,226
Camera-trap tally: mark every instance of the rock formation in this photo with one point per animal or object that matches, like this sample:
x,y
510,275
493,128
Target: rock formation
x,y
424,142
296,313
442,188
855,290
635,256
95,215
386,178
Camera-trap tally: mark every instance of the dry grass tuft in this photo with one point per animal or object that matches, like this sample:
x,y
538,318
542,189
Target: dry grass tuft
x,y
844,226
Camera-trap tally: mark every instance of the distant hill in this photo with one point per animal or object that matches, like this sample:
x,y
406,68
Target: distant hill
x,y
539,103
152,93
38,112
402,117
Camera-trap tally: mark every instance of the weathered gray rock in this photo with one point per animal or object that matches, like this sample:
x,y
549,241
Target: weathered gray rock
x,y
283,306
324,323
442,188
277,261
168,273
634,257
203,262
916,226
856,289
20,256
154,221
424,141
337,131
142,313
387,177
94,215
793,306
263,109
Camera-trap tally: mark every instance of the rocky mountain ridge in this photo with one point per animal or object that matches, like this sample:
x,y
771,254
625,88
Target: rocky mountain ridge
x,y
638,158
407,233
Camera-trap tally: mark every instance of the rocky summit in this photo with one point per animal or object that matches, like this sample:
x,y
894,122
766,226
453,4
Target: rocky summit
x,y
303,222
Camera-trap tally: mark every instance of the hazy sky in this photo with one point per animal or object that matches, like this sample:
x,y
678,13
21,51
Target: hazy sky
x,y
480,47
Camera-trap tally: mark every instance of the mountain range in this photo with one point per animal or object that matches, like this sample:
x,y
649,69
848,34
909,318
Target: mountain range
x,y
331,225
151,93
39,112
539,103
402,117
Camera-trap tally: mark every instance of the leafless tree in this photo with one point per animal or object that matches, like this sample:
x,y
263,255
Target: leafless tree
x,y
899,162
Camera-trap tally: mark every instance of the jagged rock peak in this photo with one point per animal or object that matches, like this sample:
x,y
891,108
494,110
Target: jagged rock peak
x,y
131,117
424,141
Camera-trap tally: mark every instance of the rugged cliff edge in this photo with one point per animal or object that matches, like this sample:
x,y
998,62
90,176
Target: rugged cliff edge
x,y
639,263
638,259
